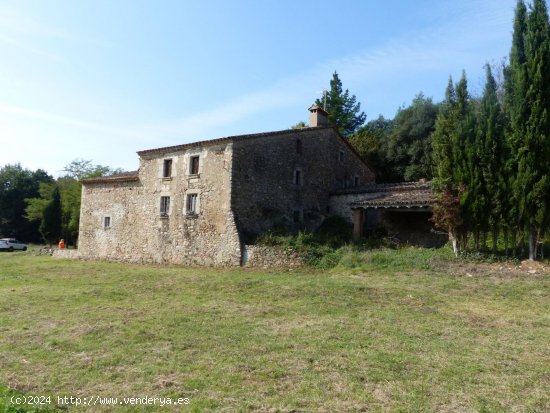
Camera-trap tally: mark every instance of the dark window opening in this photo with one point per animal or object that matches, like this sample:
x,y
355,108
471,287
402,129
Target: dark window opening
x,y
164,206
356,181
341,156
194,167
299,147
297,177
192,203
297,216
167,169
107,222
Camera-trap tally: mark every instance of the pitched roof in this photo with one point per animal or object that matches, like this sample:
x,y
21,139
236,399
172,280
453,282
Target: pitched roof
x,y
398,195
391,187
227,139
121,177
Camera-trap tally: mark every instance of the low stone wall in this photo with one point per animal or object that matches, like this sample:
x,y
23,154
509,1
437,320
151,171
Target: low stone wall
x,y
66,253
265,257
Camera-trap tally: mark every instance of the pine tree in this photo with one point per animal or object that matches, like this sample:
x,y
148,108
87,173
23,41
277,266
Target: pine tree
x,y
344,111
50,227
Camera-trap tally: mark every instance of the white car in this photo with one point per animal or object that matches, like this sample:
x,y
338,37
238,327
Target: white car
x,y
4,246
14,244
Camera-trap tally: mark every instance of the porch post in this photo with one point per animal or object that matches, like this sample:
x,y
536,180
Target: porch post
x,y
358,221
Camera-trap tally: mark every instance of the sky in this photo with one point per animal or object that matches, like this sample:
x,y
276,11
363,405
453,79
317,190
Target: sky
x,y
100,80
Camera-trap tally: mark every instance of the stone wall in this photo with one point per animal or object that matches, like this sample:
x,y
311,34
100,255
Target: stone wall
x,y
266,192
340,205
66,253
138,232
265,257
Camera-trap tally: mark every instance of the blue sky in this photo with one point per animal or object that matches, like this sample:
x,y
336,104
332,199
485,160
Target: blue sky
x,y
101,80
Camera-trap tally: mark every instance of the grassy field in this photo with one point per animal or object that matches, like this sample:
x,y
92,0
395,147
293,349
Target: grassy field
x,y
385,331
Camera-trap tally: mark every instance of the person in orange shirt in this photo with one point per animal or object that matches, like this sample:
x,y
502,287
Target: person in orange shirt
x,y
61,244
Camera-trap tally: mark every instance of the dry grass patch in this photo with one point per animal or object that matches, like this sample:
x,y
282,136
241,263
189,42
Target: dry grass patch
x,y
382,336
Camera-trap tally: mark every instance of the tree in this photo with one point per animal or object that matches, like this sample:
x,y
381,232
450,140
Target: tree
x,y
453,178
370,141
17,184
446,211
491,148
299,125
84,168
344,111
50,226
408,151
530,119
515,109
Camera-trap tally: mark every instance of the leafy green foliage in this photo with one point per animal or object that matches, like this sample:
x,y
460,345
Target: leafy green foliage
x,y
408,150
16,185
50,226
369,142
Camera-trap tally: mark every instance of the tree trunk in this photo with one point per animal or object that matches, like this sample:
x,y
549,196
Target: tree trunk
x,y
495,240
484,241
454,242
476,240
506,233
532,243
514,243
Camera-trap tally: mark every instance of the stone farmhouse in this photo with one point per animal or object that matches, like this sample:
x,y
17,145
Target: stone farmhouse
x,y
200,203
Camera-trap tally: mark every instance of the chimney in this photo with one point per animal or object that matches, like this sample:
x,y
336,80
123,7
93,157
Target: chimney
x,y
317,116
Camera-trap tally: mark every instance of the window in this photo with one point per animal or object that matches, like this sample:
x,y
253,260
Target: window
x,y
341,156
299,147
297,177
192,207
194,165
164,206
107,222
297,216
167,168
355,181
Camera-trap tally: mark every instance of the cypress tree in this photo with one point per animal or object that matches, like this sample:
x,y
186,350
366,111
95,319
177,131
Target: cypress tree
x,y
446,211
533,157
490,147
515,108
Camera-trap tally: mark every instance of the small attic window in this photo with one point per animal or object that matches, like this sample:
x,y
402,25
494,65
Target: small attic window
x,y
194,165
167,168
106,222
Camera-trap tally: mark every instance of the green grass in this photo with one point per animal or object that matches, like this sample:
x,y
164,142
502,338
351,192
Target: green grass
x,y
385,330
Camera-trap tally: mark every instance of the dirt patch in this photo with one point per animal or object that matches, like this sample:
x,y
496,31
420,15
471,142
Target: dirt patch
x,y
499,269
